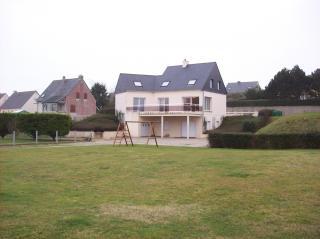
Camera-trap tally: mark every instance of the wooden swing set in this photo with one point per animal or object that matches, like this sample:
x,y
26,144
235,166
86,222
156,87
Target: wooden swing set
x,y
123,133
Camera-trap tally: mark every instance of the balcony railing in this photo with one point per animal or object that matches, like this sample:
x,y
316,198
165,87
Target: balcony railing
x,y
166,108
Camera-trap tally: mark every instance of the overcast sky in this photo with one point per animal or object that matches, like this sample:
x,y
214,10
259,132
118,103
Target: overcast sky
x,y
42,40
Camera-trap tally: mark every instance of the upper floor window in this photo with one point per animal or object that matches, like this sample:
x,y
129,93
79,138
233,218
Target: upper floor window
x,y
78,95
219,85
138,104
211,83
165,83
85,96
192,82
207,103
137,83
164,104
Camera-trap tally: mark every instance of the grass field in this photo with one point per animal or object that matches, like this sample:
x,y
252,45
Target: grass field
x,y
298,124
170,192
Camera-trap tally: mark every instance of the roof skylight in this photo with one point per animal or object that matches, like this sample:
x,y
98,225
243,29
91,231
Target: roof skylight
x,y
137,83
191,82
165,83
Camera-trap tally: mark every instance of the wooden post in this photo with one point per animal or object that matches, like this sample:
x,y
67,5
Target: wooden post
x,y
36,136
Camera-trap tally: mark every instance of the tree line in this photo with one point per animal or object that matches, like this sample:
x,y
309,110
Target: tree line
x,y
289,84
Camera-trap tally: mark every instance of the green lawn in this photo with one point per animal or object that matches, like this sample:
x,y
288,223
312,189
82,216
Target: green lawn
x,y
169,192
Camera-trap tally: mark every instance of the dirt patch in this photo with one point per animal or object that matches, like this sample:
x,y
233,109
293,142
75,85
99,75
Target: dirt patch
x,y
150,214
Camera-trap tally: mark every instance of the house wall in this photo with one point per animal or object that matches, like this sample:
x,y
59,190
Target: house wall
x,y
3,99
84,108
31,104
215,115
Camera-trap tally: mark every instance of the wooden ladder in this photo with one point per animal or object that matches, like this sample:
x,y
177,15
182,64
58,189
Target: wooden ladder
x,y
123,133
152,134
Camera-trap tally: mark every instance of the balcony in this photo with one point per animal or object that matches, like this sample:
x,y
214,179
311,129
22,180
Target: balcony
x,y
154,110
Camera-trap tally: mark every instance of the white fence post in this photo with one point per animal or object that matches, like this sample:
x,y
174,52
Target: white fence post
x,y
56,136
14,137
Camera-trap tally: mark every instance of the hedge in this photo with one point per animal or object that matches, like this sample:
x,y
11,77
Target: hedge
x,y
45,124
264,141
264,102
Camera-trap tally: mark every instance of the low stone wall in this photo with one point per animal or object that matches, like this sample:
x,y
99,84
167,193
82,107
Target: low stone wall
x,y
286,110
91,134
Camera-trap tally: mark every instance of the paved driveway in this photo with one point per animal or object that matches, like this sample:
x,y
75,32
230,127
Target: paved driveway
x,y
164,141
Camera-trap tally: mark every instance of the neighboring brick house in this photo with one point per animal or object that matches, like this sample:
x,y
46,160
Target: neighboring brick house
x,y
3,98
70,96
186,100
21,101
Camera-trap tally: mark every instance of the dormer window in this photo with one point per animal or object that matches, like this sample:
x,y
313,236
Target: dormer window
x,y
219,85
211,83
192,82
165,83
78,95
137,83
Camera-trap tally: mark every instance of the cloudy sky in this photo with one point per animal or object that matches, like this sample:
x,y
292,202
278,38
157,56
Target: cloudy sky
x,y
42,40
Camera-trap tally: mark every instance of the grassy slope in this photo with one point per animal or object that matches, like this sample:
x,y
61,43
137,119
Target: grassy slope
x,y
144,192
299,123
234,123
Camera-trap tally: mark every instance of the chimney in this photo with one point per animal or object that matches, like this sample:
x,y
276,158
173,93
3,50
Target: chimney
x,y
80,77
185,63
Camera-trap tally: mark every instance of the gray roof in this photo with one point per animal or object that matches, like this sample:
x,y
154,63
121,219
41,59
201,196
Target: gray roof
x,y
18,99
58,90
241,87
2,94
178,78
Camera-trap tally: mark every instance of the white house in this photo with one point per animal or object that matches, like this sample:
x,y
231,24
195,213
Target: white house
x,y
21,101
185,100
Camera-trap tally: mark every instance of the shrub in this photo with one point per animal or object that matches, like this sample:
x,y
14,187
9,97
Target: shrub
x,y
7,124
45,124
249,126
97,123
230,140
55,122
274,141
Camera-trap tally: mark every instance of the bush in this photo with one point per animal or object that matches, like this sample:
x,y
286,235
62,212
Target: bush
x,y
230,140
249,126
264,141
97,123
45,124
7,124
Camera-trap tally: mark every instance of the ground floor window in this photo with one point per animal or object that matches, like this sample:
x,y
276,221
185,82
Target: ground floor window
x,y
72,108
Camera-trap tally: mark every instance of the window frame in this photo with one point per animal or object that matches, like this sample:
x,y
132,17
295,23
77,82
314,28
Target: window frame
x,y
137,83
140,104
163,104
72,108
166,83
192,82
207,104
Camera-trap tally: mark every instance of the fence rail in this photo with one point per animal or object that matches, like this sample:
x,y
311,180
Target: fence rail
x,y
166,108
